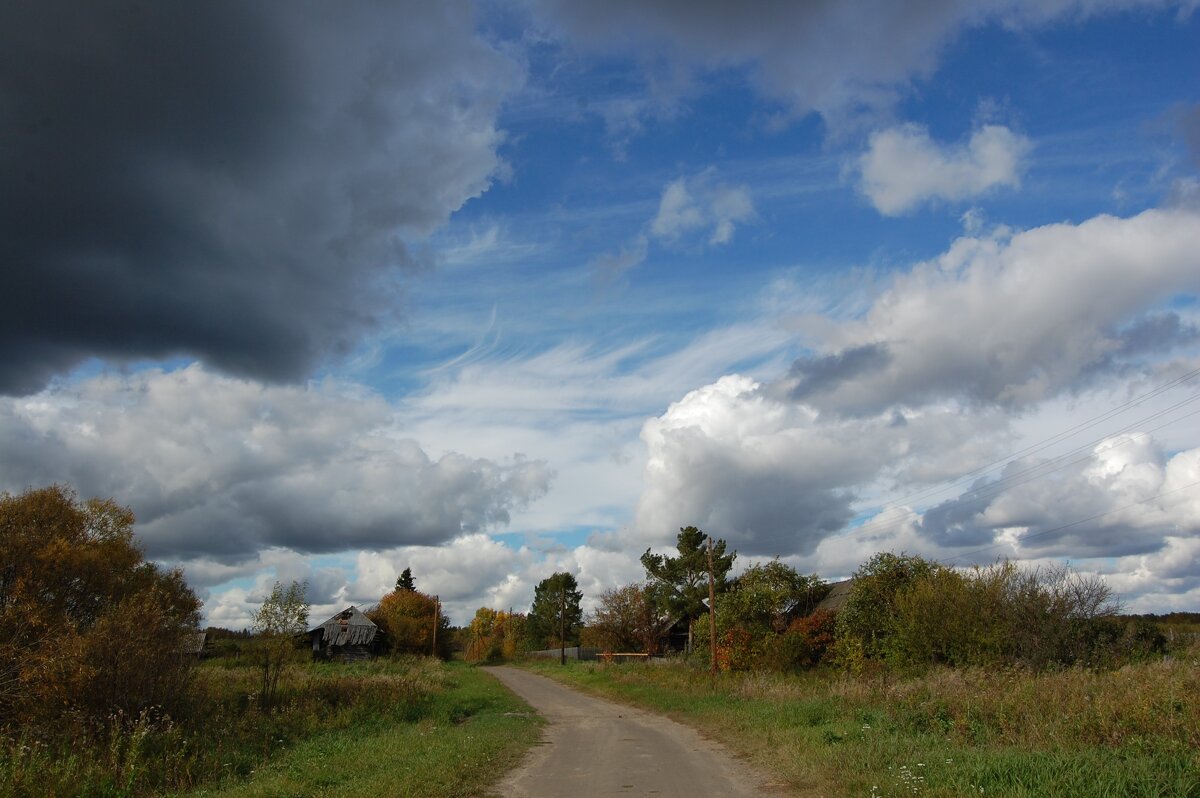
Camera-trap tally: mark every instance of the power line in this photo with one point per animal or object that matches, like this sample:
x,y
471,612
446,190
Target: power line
x,y
1045,532
1046,468
877,525
1034,448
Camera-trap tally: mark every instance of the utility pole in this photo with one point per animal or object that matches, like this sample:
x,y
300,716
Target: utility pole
x,y
437,606
712,613
562,623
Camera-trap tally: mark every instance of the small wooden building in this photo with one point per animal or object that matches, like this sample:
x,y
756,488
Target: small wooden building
x,y
348,636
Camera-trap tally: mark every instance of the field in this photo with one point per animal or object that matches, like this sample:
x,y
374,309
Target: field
x,y
1131,732
415,727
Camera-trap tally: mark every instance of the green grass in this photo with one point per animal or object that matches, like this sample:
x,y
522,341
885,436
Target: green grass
x,y
1135,732
410,727
467,737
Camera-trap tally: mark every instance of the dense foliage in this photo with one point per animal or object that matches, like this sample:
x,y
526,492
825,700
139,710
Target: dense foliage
x,y
758,620
680,583
628,619
407,618
494,635
908,611
87,626
556,611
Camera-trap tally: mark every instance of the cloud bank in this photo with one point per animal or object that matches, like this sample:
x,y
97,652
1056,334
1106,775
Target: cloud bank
x,y
928,383
219,468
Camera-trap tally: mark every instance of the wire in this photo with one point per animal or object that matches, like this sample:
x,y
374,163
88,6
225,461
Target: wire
x,y
879,525
1045,532
1046,468
1048,442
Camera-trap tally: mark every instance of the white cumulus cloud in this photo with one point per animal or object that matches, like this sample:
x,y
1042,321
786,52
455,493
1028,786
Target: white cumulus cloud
x,y
699,204
903,167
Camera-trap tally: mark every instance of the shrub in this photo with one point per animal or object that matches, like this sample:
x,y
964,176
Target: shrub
x,y
806,642
735,650
86,626
910,612
868,620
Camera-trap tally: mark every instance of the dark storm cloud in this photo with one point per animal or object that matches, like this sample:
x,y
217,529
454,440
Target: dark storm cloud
x,y
818,375
231,181
955,522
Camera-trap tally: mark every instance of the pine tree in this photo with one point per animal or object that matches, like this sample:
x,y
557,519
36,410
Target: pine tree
x,y
548,617
681,583
405,582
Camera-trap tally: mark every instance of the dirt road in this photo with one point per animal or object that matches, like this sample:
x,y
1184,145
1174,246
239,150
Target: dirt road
x,y
594,748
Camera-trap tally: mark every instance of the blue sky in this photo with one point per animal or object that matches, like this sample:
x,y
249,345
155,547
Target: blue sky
x,y
491,290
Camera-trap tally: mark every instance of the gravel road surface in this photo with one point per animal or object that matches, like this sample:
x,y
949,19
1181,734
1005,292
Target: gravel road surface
x,y
591,747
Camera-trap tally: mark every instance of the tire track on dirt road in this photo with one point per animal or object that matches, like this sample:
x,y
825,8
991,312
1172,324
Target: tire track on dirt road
x,y
592,748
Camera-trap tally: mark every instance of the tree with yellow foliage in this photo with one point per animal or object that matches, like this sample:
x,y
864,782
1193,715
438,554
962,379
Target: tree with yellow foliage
x,y
407,617
86,624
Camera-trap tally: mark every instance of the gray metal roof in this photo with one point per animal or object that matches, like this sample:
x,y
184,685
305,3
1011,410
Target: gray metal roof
x,y
839,593
347,628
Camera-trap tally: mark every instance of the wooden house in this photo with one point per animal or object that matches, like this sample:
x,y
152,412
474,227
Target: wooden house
x,y
348,636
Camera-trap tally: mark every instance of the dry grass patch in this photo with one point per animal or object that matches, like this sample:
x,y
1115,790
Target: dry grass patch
x,y
1130,732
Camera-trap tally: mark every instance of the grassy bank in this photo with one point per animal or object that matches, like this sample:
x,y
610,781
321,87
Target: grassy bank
x,y
413,727
1132,732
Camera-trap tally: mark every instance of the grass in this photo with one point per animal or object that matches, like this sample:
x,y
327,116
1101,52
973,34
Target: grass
x,y
1132,732
466,737
414,727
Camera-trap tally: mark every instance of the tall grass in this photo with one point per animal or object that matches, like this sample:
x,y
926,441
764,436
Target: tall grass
x,y
224,736
1130,732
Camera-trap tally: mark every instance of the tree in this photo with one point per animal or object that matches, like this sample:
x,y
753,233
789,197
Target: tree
x,y
767,596
283,615
556,608
407,618
868,620
627,619
405,581
680,584
494,634
86,625
757,611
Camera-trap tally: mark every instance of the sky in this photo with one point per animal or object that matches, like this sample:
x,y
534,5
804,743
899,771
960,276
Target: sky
x,y
492,290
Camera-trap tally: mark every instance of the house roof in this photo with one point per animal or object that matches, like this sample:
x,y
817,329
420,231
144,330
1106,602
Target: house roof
x,y
839,593
347,628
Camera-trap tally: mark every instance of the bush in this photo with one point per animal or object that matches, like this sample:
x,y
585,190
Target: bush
x,y
910,612
755,618
806,642
86,626
627,619
868,620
